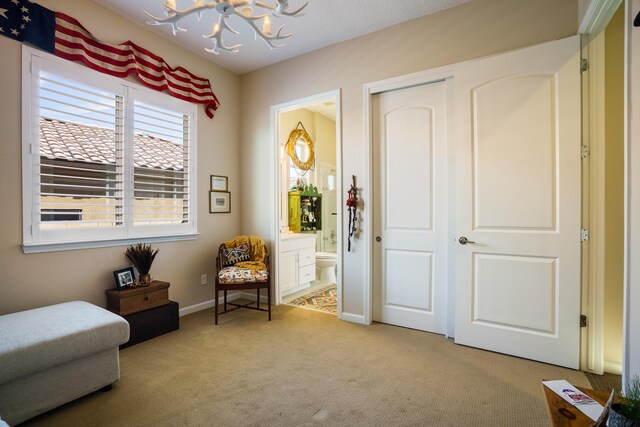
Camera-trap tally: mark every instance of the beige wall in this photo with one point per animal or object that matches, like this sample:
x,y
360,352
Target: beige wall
x,y
614,187
474,29
35,280
325,142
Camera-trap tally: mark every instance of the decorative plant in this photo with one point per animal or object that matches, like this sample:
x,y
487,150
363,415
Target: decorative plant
x,y
141,256
630,399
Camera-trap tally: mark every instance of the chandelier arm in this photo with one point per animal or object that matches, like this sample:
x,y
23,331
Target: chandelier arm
x,y
175,15
265,5
165,21
283,8
240,3
251,17
270,39
216,37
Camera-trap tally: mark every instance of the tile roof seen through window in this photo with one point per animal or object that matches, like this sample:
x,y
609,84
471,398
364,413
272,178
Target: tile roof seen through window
x,y
61,140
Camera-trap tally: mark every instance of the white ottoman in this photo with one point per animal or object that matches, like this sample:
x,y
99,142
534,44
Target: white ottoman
x,y
52,355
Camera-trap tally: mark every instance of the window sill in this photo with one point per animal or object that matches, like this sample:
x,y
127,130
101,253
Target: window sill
x,y
34,248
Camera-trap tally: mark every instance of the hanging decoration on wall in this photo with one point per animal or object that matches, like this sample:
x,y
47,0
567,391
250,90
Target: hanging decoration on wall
x,y
300,148
65,37
352,204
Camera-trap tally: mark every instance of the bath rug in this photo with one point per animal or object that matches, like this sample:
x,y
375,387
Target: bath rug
x,y
324,299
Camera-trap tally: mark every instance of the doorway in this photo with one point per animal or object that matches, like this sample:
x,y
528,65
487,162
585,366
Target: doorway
x,y
308,243
603,209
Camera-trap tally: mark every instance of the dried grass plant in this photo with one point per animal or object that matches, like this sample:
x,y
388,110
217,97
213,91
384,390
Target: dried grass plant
x,y
141,256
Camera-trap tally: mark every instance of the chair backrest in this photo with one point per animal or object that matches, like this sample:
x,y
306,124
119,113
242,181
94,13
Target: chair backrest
x,y
257,250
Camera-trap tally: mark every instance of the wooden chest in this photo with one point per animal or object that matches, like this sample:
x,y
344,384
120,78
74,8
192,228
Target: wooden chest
x,y
134,300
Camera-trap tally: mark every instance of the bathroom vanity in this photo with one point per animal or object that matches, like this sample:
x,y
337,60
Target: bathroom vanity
x,y
297,266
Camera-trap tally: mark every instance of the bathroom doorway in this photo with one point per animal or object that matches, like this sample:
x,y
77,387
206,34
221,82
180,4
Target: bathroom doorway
x,y
308,243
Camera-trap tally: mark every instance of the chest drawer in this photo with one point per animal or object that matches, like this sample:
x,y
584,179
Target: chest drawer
x,y
307,257
142,302
138,299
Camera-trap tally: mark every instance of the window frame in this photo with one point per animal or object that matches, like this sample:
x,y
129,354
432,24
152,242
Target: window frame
x,y
36,239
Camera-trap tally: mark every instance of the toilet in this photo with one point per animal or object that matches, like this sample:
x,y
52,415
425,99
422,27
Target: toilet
x,y
326,265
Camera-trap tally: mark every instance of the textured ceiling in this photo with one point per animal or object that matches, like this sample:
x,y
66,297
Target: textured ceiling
x,y
324,23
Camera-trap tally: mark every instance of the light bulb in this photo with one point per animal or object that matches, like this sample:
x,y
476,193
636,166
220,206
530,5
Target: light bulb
x,y
266,25
247,11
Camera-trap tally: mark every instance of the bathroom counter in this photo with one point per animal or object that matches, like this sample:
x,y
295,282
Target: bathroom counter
x,y
290,236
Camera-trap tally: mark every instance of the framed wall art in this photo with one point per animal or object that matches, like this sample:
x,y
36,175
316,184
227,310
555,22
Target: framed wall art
x,y
219,183
219,202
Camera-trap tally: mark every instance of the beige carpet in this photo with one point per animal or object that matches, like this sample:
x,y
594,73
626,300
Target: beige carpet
x,y
307,368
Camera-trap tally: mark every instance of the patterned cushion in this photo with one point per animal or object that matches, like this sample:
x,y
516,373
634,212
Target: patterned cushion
x,y
241,275
234,255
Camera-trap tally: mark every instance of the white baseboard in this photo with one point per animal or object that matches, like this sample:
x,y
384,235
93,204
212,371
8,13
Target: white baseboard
x,y
613,367
208,304
353,318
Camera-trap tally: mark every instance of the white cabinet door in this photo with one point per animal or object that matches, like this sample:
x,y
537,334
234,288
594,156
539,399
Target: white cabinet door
x,y
518,203
410,163
288,274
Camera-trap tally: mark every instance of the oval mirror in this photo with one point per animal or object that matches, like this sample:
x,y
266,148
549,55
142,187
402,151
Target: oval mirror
x,y
300,149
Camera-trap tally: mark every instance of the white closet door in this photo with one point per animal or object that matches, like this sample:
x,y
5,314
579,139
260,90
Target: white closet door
x,y
518,200
409,207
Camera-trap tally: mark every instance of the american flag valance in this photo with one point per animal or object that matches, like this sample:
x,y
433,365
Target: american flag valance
x,y
65,37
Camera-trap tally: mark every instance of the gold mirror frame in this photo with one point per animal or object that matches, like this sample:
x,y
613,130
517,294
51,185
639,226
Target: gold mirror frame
x,y
294,136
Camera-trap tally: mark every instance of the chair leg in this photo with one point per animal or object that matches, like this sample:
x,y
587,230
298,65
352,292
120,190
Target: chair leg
x,y
215,305
225,300
258,298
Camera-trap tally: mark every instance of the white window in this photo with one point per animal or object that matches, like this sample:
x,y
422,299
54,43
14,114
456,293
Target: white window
x,y
105,161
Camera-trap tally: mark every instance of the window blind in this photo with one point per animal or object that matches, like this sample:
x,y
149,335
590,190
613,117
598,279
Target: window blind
x,y
161,166
81,133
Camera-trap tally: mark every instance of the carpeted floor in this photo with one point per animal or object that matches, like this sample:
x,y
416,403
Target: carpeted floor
x,y
307,368
324,299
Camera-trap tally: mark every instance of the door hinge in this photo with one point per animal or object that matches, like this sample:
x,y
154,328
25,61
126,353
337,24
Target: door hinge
x,y
584,64
584,235
584,151
583,321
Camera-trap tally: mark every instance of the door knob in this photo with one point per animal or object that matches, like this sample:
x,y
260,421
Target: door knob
x,y
463,240
378,239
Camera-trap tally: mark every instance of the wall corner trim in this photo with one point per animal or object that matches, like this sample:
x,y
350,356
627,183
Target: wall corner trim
x,y
598,16
354,318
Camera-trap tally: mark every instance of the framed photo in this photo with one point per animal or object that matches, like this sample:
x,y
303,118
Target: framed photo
x,y
123,278
219,183
219,202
